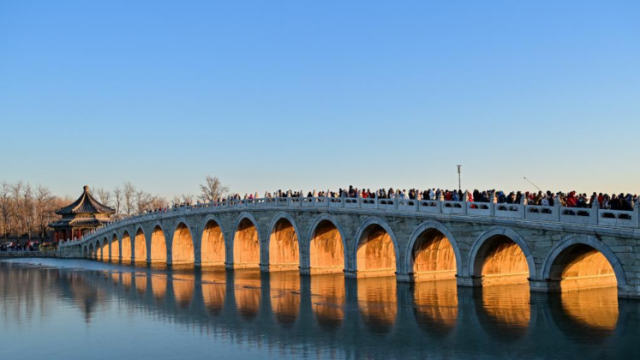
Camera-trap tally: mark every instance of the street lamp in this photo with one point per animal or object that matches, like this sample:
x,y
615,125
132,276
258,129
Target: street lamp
x,y
459,178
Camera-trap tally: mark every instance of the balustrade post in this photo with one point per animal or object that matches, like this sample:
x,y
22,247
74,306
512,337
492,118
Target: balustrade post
x,y
396,202
465,200
376,200
595,212
636,213
492,203
523,206
416,206
439,200
557,208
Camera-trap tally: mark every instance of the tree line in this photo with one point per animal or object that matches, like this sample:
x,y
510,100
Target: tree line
x,y
27,210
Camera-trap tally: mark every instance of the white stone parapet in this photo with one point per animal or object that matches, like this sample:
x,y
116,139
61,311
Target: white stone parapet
x,y
545,214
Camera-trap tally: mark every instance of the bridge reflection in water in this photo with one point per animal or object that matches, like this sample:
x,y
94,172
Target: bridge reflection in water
x,y
350,318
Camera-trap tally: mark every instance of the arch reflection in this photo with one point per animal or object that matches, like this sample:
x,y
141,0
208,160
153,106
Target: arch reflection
x,y
248,293
505,311
378,303
587,316
183,289
214,290
328,298
436,306
284,290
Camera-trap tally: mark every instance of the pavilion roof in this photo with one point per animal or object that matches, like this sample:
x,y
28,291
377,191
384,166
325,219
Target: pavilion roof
x,y
86,204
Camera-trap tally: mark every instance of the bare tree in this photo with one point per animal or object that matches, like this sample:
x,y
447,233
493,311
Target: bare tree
x,y
143,201
5,209
212,189
28,212
104,196
16,197
44,208
129,193
117,199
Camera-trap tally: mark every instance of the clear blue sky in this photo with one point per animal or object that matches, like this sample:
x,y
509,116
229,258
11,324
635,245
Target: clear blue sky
x,y
301,94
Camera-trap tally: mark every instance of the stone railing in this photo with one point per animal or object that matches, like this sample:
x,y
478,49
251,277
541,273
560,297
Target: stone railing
x,y
586,216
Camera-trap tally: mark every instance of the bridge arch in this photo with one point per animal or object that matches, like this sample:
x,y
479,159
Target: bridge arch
x,y
98,250
376,250
246,242
433,253
126,246
182,246
158,249
327,246
106,249
583,262
213,246
283,252
501,256
115,248
140,246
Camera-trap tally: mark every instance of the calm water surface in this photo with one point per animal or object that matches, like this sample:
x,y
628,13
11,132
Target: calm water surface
x,y
76,309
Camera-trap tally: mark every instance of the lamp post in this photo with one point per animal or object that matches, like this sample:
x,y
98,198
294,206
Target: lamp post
x,y
459,178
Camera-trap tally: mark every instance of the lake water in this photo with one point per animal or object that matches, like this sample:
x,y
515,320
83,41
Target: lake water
x,y
78,309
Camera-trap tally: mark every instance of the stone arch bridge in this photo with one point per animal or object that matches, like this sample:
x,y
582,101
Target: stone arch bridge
x,y
479,244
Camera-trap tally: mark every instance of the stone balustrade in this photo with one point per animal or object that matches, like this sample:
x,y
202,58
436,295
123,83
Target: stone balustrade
x,y
568,215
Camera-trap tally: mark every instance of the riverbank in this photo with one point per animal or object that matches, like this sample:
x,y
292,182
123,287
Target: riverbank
x,y
27,254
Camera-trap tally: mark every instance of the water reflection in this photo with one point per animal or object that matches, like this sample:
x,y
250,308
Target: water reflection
x,y
248,293
328,300
505,310
436,306
587,315
378,303
320,317
284,290
214,291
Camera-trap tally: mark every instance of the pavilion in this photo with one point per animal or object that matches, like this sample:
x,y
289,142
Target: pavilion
x,y
80,217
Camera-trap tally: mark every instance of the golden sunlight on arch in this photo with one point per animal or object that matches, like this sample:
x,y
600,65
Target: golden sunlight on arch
x,y
158,246
126,247
582,267
212,250
182,250
433,257
326,253
115,249
140,247
375,255
501,261
283,247
246,246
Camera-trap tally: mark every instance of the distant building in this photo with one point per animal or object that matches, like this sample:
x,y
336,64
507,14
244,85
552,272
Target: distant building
x,y
80,217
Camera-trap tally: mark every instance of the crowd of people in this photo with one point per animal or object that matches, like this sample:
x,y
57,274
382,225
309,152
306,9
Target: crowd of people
x,y
16,246
572,199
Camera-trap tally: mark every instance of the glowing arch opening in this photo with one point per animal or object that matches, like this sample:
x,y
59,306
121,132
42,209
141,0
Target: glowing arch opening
x,y
246,246
182,247
283,247
158,246
375,255
433,257
580,267
501,261
212,251
326,253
